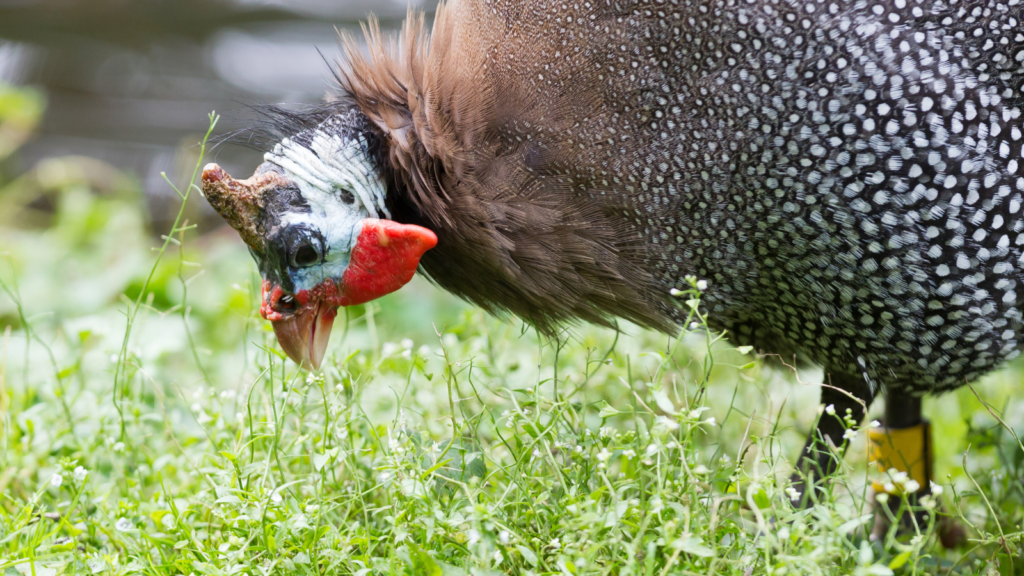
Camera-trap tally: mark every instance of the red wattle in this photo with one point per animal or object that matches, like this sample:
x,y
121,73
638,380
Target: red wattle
x,y
384,259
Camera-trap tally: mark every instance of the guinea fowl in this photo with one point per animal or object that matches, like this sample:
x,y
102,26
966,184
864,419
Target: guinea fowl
x,y
845,175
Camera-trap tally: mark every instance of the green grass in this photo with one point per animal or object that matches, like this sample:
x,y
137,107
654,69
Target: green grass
x,y
151,426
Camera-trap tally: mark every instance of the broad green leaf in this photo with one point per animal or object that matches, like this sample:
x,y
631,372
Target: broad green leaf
x,y
422,563
900,560
606,410
695,546
762,500
320,460
528,555
663,401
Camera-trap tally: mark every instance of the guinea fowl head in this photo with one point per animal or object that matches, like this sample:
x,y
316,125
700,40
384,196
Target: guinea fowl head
x,y
314,218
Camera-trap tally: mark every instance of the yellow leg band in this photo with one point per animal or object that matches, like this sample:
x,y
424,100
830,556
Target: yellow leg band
x,y
907,450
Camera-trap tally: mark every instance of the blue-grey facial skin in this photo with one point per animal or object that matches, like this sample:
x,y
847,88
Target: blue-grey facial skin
x,y
330,187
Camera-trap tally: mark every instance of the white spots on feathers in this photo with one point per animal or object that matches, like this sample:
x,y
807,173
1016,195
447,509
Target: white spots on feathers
x,y
846,173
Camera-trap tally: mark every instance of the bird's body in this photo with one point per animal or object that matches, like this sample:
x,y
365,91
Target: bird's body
x,y
844,174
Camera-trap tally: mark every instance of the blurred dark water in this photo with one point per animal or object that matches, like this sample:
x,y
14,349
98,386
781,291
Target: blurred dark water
x,y
130,82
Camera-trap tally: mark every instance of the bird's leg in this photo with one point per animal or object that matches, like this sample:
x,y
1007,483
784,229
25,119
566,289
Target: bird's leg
x,y
845,396
902,450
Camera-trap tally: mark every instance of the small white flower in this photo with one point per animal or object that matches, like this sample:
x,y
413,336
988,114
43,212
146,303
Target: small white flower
x,y
424,351
850,434
882,498
556,544
395,446
504,537
911,486
474,536
56,480
700,469
118,447
603,455
275,497
830,409
498,557
875,424
388,348
898,477
80,474
629,454
605,432
667,423
793,493
936,489
407,343
652,449
123,524
702,285
711,421
675,293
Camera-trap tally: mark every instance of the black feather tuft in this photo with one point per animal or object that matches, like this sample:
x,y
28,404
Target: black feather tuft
x,y
272,123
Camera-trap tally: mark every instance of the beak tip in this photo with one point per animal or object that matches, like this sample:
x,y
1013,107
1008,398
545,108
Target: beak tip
x,y
304,337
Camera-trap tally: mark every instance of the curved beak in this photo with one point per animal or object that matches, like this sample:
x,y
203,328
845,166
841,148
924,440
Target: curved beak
x,y
304,335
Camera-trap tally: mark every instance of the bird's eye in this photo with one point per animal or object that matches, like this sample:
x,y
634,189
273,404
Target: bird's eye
x,y
305,254
347,196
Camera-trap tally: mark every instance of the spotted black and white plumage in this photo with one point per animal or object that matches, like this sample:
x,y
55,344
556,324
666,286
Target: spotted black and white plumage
x,y
845,174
